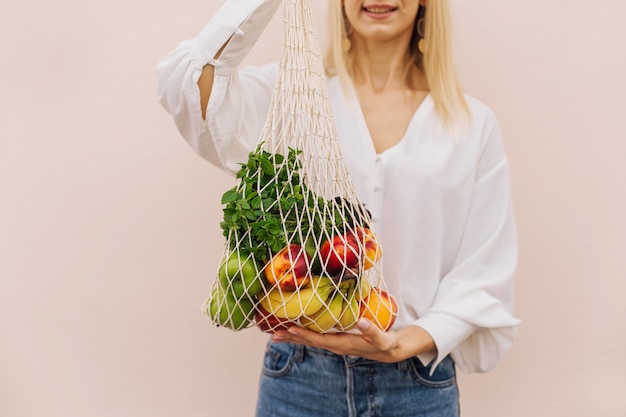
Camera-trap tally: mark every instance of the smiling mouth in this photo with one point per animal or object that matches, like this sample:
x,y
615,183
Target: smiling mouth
x,y
379,10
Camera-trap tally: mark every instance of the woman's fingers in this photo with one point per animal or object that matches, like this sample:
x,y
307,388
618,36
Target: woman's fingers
x,y
372,343
383,341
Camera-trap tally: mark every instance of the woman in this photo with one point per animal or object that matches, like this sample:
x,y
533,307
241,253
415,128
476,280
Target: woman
x,y
426,160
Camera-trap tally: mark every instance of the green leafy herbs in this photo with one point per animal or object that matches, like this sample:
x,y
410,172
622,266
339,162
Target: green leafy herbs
x,y
271,206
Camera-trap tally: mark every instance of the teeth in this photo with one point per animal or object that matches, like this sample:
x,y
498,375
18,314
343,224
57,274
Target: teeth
x,y
378,10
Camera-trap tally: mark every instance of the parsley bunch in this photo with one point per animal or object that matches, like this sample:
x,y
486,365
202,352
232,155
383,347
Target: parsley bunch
x,y
271,206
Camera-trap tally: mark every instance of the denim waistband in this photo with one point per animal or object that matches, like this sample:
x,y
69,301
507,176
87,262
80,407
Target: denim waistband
x,y
349,360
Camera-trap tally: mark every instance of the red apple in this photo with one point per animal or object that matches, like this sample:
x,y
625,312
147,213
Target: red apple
x,y
339,253
268,322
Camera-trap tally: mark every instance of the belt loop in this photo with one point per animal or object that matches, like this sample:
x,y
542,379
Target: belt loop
x,y
298,354
403,365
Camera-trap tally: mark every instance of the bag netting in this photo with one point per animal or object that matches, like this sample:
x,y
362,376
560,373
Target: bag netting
x,y
299,246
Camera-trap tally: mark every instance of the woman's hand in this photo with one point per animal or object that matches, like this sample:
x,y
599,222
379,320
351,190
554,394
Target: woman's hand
x,y
372,343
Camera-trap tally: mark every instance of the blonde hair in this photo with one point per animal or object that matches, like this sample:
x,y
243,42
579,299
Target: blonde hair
x,y
437,62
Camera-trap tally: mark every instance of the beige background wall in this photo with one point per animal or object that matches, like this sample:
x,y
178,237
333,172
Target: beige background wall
x,y
109,223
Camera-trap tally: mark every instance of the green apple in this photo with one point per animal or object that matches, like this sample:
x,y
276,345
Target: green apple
x,y
228,311
239,275
215,301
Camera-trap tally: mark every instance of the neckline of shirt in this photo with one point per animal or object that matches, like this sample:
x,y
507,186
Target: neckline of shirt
x,y
353,104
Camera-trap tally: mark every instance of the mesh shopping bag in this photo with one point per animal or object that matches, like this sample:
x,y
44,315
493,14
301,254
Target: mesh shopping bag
x,y
299,246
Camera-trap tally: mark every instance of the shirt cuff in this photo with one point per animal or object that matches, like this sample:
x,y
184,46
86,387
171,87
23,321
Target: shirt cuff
x,y
447,332
241,21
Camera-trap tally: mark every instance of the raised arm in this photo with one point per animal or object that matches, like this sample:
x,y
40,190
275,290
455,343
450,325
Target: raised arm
x,y
218,109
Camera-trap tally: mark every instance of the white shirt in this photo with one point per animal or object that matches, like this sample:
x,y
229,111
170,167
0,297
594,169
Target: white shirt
x,y
441,206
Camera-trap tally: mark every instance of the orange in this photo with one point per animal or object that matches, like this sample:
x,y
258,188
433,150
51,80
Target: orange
x,y
380,308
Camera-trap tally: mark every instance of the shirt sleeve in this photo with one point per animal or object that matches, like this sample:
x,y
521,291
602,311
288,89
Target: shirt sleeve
x,y
239,100
472,315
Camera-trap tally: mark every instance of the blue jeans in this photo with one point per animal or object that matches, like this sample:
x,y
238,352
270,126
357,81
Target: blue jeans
x,y
299,381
